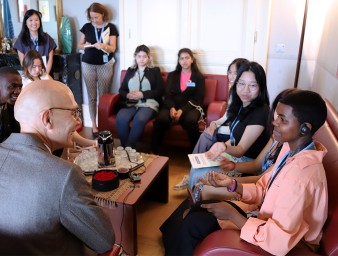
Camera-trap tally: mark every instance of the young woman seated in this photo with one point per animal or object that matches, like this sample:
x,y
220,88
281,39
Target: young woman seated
x,y
208,137
33,68
247,117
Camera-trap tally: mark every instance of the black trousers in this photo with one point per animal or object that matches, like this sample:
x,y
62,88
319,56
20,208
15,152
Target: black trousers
x,y
181,236
188,120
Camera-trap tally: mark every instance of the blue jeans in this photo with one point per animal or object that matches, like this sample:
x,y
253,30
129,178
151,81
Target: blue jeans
x,y
196,173
204,143
129,136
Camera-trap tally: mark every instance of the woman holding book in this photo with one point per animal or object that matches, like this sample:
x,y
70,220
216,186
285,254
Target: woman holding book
x,y
98,39
247,117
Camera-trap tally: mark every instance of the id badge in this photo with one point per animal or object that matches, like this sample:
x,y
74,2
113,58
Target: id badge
x,y
191,84
105,58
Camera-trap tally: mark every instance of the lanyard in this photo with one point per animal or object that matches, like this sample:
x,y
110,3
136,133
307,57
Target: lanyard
x,y
266,162
140,79
96,35
280,165
232,128
35,42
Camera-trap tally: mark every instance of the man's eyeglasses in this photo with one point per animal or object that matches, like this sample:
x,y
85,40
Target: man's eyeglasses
x,y
75,112
252,87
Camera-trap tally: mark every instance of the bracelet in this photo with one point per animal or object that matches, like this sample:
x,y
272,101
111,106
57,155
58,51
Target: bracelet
x,y
234,186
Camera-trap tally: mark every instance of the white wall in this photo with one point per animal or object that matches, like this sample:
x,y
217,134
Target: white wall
x,y
320,53
319,61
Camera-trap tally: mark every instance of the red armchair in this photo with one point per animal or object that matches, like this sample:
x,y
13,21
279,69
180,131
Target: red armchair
x,y
228,242
215,100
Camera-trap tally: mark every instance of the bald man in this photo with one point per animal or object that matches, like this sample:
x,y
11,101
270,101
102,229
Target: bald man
x,y
46,206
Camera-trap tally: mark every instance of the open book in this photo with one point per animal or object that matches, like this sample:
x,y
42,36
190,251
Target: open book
x,y
201,161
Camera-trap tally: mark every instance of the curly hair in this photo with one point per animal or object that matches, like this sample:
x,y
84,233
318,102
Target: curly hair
x,y
98,8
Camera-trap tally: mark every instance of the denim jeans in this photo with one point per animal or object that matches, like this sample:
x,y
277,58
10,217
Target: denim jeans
x,y
129,136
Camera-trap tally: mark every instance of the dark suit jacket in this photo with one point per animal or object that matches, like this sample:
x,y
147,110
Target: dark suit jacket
x,y
180,100
46,206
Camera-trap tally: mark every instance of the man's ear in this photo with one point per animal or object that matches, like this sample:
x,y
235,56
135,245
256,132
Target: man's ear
x,y
46,119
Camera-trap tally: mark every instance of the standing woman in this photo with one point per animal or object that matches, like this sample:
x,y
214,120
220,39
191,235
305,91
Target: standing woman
x,y
184,84
32,37
142,84
98,58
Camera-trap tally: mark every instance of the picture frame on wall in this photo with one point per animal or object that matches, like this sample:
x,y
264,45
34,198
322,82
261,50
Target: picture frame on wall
x,y
44,9
24,6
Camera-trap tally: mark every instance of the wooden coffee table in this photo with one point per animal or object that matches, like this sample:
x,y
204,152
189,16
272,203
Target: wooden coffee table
x,y
123,208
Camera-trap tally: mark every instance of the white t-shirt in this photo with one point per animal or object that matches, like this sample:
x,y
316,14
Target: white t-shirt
x,y
26,80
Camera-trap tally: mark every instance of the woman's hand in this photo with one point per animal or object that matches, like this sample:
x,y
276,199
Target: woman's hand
x,y
224,211
211,129
217,179
227,165
99,46
172,113
135,95
215,150
178,114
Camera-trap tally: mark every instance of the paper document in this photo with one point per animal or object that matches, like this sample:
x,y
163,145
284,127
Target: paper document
x,y
201,161
105,38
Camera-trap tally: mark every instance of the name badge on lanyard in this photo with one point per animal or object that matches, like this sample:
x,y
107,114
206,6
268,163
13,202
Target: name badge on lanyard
x,y
35,42
105,56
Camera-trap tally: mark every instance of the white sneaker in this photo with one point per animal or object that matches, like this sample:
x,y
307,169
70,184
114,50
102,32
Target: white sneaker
x,y
183,184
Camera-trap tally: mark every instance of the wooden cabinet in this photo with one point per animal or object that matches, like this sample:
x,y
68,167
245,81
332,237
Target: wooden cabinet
x,y
11,60
67,69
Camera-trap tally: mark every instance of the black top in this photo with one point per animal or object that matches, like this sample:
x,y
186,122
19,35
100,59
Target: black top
x,y
180,100
253,116
155,79
93,55
8,124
